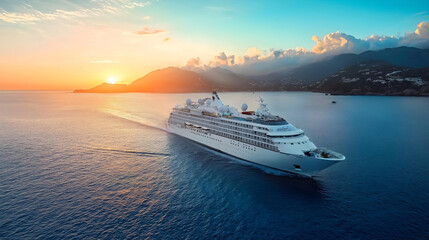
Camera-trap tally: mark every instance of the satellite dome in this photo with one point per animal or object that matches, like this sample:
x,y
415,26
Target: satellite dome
x,y
200,101
223,109
188,102
208,101
258,112
244,107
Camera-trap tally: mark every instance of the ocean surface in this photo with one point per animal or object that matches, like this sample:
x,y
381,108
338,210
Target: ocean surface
x,y
101,166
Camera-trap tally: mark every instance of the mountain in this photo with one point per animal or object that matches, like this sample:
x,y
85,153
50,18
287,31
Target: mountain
x,y
105,88
376,78
327,75
171,80
226,80
166,80
176,80
311,73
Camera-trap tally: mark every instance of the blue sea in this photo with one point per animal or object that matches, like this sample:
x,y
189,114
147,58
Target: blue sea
x,y
101,166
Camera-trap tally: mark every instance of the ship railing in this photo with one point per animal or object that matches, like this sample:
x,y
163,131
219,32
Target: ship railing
x,y
243,134
217,121
240,134
226,133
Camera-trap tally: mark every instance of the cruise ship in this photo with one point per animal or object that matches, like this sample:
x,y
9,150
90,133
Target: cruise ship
x,y
255,136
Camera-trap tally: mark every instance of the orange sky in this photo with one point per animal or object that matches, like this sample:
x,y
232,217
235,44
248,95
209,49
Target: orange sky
x,y
86,57
49,52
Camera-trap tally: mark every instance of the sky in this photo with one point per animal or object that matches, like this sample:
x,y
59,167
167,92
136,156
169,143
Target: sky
x,y
78,44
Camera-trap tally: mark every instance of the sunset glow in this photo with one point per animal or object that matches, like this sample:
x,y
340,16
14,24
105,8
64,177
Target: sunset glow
x,y
58,45
112,80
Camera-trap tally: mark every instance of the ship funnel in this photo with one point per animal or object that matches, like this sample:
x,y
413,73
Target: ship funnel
x,y
216,99
215,96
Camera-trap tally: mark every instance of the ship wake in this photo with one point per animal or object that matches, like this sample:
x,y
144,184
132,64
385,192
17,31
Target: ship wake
x,y
127,151
133,118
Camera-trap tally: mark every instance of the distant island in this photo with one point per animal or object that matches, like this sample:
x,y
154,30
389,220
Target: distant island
x,y
402,71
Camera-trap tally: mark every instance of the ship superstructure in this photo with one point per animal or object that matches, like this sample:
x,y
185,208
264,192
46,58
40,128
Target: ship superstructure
x,y
254,136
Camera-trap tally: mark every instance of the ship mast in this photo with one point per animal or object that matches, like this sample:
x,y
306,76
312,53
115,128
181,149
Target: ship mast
x,y
263,109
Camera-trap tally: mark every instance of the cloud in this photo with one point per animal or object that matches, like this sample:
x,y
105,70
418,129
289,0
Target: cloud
x,y
32,15
223,60
341,43
150,31
418,38
166,39
132,4
256,61
36,16
147,17
335,41
194,62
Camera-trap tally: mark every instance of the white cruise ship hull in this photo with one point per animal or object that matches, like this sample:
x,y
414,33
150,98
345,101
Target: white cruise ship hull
x,y
301,165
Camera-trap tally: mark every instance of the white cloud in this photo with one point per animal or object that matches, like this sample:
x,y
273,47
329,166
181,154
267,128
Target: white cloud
x,y
418,38
256,61
222,60
341,43
132,4
338,42
31,15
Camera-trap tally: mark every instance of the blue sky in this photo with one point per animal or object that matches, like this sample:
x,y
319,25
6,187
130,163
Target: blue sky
x,y
237,25
240,24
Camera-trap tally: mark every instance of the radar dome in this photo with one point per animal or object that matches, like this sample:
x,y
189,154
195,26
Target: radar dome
x,y
208,101
258,112
200,101
244,107
188,102
223,109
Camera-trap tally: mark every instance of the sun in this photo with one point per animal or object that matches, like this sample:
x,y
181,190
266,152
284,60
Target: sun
x,y
112,80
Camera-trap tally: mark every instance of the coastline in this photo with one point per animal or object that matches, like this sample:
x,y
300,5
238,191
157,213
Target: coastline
x,y
322,92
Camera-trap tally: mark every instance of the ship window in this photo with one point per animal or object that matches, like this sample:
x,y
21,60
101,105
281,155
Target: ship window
x,y
297,166
291,143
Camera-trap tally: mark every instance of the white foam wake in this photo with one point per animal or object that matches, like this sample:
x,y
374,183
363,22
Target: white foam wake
x,y
133,118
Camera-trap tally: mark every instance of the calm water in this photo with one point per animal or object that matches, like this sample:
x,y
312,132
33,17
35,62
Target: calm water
x,y
100,166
